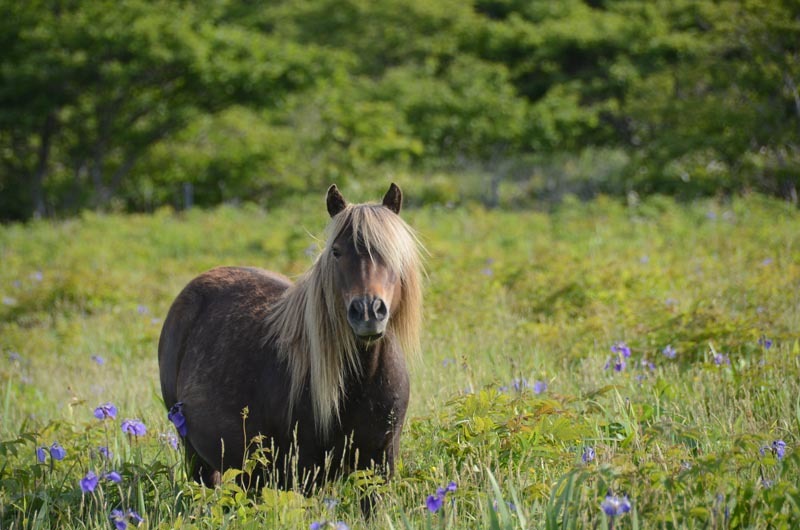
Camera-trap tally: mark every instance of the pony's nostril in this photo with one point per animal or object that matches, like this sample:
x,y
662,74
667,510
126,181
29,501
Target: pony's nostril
x,y
356,311
379,309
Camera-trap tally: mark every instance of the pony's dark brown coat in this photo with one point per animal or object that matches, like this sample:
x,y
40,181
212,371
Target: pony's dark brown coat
x,y
213,357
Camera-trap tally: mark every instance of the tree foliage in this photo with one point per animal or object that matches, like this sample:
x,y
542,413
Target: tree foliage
x,y
130,103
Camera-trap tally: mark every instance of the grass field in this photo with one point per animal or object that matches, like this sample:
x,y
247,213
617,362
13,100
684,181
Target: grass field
x,y
649,351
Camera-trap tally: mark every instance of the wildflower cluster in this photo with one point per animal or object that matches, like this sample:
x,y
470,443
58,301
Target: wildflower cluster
x,y
435,502
521,384
90,481
56,452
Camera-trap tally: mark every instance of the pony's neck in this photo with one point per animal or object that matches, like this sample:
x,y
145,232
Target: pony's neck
x,y
371,355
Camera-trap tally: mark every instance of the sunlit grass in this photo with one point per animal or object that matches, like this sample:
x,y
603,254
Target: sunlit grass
x,y
511,297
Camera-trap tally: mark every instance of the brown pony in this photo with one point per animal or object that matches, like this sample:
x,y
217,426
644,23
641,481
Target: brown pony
x,y
320,364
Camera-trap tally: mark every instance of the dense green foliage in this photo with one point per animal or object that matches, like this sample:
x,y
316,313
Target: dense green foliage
x,y
543,297
134,104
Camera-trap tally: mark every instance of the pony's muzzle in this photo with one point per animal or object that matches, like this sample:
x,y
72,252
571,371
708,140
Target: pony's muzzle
x,y
368,316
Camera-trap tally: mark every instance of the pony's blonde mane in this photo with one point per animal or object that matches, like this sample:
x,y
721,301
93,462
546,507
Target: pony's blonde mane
x,y
309,323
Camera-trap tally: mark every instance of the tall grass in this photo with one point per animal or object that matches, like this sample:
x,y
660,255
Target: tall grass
x,y
517,380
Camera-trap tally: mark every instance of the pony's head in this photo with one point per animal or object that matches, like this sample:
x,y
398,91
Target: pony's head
x,y
364,287
368,249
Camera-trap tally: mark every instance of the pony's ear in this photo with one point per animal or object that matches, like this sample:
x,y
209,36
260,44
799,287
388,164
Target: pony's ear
x,y
393,198
335,201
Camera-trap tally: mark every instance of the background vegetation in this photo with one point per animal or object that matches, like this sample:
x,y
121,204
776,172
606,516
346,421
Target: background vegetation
x,y
134,104
516,384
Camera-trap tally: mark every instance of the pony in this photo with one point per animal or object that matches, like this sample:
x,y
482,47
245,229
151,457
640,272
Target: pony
x,y
316,369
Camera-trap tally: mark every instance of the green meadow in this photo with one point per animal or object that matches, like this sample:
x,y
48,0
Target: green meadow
x,y
647,350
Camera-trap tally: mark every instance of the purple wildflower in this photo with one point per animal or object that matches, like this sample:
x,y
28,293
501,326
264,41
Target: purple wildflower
x,y
133,427
720,359
588,455
118,518
765,342
341,525
57,452
142,309
175,415
614,505
330,503
41,454
99,360
669,352
170,438
779,448
105,411
105,452
134,517
539,387
511,506
89,482
520,384
14,356
434,503
619,364
621,348
113,476
36,276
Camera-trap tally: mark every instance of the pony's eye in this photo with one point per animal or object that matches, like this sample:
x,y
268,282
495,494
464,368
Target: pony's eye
x,y
336,252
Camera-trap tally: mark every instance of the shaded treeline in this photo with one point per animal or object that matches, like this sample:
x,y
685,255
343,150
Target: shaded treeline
x,y
134,104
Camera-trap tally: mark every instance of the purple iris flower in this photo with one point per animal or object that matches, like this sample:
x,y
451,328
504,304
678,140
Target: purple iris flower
x,y
520,384
105,452
57,452
98,359
434,503
765,342
614,505
105,411
113,476
118,518
89,482
539,387
779,448
588,455
720,359
134,517
134,427
669,352
175,415
622,348
619,364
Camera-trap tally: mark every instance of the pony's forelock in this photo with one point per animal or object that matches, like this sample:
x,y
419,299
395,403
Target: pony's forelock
x,y
309,325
